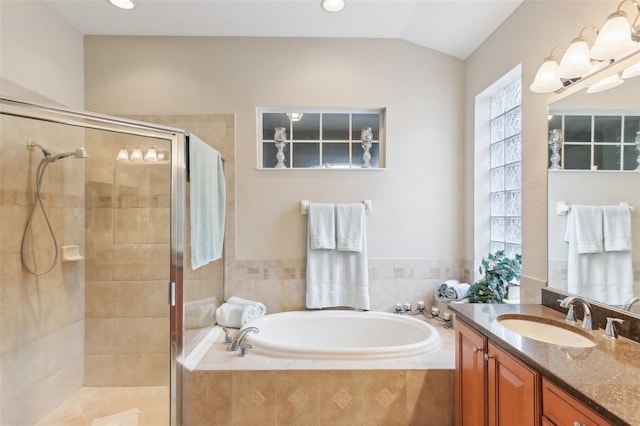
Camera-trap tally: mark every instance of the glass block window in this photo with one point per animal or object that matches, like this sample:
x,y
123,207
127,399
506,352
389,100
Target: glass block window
x,y
320,138
597,141
506,170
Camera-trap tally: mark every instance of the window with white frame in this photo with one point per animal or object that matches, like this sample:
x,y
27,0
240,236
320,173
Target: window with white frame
x,y
320,138
505,170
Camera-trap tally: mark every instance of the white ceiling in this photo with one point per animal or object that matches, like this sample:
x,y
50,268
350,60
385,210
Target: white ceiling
x,y
454,27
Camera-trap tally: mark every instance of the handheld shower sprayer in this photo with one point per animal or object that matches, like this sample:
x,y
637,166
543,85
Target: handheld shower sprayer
x,y
37,201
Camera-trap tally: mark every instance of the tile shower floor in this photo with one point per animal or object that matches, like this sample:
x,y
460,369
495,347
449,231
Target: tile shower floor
x,y
91,403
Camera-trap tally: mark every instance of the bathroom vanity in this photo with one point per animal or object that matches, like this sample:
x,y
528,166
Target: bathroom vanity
x,y
505,378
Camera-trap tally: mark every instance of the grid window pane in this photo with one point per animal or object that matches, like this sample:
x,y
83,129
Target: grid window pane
x,y
512,122
512,176
335,127
335,154
505,161
512,249
631,128
497,179
497,154
318,138
497,129
577,128
606,157
577,157
306,155
512,152
631,157
497,204
607,128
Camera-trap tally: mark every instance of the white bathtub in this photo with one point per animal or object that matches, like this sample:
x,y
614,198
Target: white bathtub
x,y
341,335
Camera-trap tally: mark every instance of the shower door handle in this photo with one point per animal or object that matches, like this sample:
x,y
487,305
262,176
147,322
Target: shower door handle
x,y
172,294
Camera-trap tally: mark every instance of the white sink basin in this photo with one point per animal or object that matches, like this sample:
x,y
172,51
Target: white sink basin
x,y
545,330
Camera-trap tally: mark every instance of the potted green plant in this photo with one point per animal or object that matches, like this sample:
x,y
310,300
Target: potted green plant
x,y
499,272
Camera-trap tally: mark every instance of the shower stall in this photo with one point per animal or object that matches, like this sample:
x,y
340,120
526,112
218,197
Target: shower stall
x,y
92,249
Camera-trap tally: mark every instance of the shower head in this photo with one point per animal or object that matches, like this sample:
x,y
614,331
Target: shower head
x,y
78,153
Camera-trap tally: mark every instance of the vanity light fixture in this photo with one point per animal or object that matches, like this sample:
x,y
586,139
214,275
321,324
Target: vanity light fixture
x,y
616,40
332,5
548,77
295,116
136,155
122,4
616,36
605,84
576,61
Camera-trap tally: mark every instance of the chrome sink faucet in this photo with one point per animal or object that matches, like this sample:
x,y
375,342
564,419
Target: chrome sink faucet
x,y
627,306
238,340
586,320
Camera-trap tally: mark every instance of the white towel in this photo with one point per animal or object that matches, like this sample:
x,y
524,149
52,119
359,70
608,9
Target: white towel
x,y
452,290
350,226
442,288
208,200
603,276
617,228
586,222
231,315
200,313
261,308
322,226
338,278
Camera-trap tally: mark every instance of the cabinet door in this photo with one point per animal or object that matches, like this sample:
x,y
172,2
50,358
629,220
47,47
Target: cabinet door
x,y
560,408
470,376
513,390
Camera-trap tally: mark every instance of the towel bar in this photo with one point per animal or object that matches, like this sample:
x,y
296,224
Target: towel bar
x,y
304,206
562,208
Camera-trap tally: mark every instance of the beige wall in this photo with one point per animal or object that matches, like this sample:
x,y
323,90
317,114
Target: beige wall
x,y
414,200
526,37
41,52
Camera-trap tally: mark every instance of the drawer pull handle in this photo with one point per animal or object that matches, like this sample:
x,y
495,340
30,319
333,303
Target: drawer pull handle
x,y
475,349
487,357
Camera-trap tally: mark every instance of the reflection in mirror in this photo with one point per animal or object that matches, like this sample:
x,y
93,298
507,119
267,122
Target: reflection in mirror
x,y
599,166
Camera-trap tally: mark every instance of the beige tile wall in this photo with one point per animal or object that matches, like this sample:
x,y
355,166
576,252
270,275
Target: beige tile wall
x,y
41,317
128,236
281,284
340,397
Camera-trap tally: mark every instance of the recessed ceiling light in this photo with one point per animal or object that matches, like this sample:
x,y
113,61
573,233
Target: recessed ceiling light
x,y
122,4
332,5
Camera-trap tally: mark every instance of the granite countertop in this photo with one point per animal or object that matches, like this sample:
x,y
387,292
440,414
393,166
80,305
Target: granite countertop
x,y
605,377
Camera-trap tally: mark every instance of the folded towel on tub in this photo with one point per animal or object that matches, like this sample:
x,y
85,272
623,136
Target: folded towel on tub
x,y
240,301
200,313
235,316
451,290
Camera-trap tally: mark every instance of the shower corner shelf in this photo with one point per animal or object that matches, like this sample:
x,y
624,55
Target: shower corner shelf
x,y
71,253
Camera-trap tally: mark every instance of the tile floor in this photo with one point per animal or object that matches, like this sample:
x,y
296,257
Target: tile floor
x,y
91,403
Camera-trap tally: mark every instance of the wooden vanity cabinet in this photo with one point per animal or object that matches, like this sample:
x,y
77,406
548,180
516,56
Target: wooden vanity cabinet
x,y
493,388
560,409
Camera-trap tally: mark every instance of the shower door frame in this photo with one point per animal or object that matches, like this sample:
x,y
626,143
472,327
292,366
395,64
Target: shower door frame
x,y
177,139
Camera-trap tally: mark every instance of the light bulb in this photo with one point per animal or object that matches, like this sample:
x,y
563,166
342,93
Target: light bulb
x,y
151,155
332,5
575,62
123,155
614,39
136,155
547,78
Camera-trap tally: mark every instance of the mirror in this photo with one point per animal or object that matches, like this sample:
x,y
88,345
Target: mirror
x,y
599,165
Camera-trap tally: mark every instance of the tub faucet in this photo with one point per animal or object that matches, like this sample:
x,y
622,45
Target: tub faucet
x,y
586,320
237,342
627,306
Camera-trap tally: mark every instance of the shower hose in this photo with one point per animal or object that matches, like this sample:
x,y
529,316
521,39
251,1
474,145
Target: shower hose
x,y
37,201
